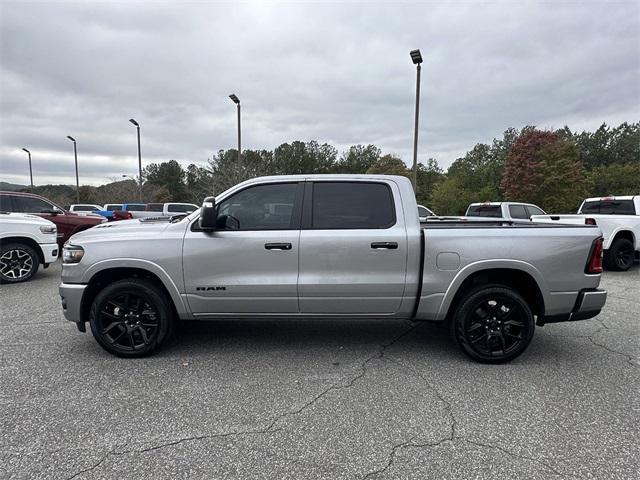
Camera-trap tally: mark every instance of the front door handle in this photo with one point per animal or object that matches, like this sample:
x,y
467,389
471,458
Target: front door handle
x,y
387,245
277,246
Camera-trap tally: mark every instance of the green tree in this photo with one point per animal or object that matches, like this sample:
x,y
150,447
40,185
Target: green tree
x,y
614,179
358,159
168,175
389,165
300,157
429,177
545,169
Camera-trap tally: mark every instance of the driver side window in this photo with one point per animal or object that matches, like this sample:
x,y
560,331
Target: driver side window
x,y
31,205
263,207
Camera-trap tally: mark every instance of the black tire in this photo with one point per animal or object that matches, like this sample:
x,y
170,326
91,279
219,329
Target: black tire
x,y
132,318
18,263
492,324
620,256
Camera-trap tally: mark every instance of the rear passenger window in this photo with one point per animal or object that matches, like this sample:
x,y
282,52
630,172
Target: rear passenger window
x,y
349,205
518,211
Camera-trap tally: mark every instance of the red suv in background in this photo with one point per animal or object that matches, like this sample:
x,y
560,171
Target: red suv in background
x,y
67,223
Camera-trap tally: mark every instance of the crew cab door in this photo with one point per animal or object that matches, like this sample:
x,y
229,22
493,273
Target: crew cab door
x,y
353,248
252,269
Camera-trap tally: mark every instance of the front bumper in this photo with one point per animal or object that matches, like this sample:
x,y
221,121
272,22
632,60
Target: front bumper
x,y
71,298
50,252
588,304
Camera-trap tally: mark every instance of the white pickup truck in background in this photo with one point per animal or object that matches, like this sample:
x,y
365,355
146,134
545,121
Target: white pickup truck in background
x,y
26,241
619,219
511,211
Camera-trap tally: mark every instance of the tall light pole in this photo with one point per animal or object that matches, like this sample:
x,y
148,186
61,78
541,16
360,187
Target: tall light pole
x,y
75,154
416,58
236,100
139,159
30,171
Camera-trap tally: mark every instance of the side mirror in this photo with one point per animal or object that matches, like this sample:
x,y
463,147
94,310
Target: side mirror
x,y
208,214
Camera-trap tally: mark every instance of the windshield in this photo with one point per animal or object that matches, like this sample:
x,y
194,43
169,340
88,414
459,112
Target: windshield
x,y
484,211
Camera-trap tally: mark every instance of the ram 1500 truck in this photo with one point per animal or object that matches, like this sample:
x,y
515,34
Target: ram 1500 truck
x,y
618,218
348,246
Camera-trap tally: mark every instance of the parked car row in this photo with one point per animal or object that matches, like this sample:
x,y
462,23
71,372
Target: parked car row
x,y
124,211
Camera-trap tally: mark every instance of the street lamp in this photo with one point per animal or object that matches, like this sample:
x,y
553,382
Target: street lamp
x,y
416,58
30,171
236,100
137,125
75,154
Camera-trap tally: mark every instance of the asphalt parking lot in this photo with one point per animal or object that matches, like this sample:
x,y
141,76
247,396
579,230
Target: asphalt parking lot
x,y
317,399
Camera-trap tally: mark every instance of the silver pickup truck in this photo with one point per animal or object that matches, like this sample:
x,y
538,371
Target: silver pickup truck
x,y
348,246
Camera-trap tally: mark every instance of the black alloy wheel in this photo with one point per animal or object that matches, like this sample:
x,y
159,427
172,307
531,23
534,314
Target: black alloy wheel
x,y
131,318
18,263
493,324
620,256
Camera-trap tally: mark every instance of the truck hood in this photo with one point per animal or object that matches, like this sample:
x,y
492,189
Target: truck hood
x,y
23,219
123,230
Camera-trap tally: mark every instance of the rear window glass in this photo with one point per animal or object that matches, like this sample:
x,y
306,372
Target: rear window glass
x,y
84,208
609,207
352,205
154,207
5,203
484,211
113,207
177,208
132,207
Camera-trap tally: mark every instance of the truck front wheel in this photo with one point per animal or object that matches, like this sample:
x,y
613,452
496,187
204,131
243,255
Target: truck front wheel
x,y
620,256
18,263
492,324
131,318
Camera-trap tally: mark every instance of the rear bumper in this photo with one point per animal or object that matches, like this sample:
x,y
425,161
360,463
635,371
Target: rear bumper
x,y
588,304
71,298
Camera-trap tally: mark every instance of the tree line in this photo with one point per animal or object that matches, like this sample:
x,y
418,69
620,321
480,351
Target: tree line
x,y
554,169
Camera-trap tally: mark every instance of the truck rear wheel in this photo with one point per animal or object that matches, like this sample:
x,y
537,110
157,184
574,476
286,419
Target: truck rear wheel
x,y
492,324
18,263
620,256
131,318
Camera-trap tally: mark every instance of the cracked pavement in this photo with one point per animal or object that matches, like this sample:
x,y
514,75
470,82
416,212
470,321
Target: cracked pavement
x,y
317,399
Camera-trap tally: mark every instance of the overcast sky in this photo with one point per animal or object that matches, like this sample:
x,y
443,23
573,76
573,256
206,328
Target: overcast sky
x,y
333,72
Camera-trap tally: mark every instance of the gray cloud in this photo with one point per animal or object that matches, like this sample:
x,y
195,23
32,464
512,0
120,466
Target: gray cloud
x,y
338,73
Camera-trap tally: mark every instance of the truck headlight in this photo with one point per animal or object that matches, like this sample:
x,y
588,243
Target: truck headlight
x,y
48,229
72,254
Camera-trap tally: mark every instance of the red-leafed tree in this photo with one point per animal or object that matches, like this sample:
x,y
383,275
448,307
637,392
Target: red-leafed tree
x,y
545,169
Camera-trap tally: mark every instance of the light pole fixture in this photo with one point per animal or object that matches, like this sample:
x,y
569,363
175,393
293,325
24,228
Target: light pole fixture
x,y
416,58
137,125
75,154
236,100
30,171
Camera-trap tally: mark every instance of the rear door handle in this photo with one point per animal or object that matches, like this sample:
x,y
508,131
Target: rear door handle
x,y
387,245
277,246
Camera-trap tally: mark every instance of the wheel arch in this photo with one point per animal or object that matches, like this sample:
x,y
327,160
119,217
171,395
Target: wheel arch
x,y
623,232
521,276
26,241
99,278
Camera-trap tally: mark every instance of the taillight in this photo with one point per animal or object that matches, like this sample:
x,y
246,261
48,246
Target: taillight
x,y
594,265
129,216
590,221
